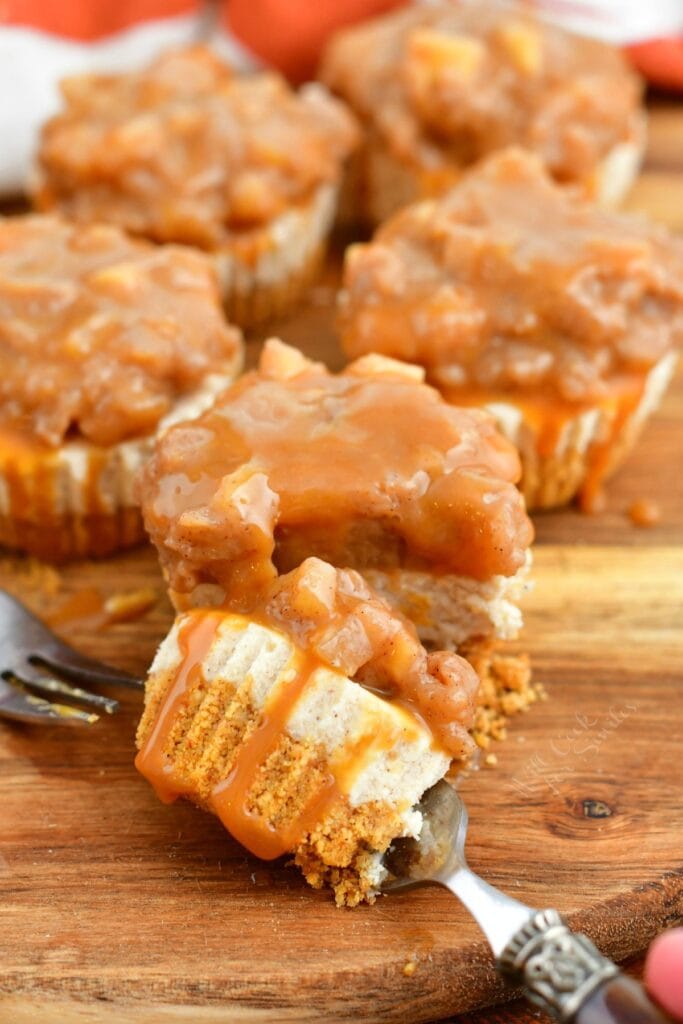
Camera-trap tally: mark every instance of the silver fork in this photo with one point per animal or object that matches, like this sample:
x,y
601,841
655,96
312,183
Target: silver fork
x,y
560,970
38,672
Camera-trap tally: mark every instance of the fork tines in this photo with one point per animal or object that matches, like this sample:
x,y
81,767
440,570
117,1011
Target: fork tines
x,y
37,668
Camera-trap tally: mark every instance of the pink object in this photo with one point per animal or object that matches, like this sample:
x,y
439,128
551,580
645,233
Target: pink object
x,y
664,971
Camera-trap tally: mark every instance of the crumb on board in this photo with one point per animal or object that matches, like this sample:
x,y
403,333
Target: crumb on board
x,y
50,596
30,580
89,608
645,513
507,688
131,605
409,968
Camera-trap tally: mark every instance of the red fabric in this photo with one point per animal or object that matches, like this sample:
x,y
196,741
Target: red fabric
x,y
289,34
92,19
660,60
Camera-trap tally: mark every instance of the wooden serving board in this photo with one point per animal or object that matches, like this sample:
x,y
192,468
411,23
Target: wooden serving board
x,y
116,909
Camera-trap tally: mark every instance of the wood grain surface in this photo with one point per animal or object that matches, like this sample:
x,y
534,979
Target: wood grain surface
x,y
115,909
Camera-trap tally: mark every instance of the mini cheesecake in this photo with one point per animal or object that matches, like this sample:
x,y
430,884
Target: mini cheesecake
x,y
515,295
368,469
188,151
310,726
439,86
104,340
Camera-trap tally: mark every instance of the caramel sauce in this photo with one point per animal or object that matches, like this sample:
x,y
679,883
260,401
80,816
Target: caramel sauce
x,y
334,613
444,84
101,335
512,286
84,608
29,468
547,418
23,459
230,799
213,155
368,468
94,499
153,760
601,452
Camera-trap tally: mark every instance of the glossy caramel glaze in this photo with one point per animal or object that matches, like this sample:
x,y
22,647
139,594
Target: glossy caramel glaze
x,y
154,760
367,468
444,84
101,335
230,798
512,287
187,151
336,615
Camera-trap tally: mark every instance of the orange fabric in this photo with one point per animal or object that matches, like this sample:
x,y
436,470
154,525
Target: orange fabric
x,y
290,34
660,60
287,34
91,20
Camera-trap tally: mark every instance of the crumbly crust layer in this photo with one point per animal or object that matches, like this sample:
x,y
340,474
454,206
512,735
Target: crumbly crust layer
x,y
506,689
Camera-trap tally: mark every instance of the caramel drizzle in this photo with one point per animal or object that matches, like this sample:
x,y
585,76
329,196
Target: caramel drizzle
x,y
602,454
194,640
31,471
549,419
28,471
230,797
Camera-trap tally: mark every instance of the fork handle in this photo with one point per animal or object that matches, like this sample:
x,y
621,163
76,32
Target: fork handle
x,y
620,1000
565,974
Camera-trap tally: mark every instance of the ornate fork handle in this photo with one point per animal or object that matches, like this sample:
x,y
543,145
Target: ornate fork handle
x,y
565,974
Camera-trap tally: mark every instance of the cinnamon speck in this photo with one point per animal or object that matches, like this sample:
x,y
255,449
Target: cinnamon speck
x,y
645,513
